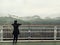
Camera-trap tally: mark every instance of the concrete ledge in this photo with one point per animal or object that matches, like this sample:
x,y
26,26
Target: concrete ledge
x,y
32,41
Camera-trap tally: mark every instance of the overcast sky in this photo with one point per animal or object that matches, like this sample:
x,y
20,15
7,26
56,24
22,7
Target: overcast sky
x,y
22,8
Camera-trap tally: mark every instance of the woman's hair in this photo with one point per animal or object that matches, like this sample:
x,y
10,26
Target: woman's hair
x,y
15,21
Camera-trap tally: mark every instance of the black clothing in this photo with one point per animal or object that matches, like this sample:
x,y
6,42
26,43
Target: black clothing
x,y
15,31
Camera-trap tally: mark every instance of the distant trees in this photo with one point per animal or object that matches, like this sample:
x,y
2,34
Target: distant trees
x,y
34,20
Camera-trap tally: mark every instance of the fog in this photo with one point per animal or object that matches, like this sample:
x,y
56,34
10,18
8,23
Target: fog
x,y
22,8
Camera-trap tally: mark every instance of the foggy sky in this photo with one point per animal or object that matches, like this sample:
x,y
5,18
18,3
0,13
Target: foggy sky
x,y
22,8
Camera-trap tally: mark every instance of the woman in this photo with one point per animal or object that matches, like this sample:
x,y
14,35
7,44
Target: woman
x,y
15,31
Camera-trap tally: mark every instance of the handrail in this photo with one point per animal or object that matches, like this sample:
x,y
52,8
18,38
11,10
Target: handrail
x,y
34,33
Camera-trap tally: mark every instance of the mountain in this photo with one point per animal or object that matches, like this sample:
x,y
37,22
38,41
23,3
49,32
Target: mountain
x,y
30,20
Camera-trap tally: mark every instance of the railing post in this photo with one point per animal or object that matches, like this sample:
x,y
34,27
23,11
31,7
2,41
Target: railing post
x,y
29,34
55,32
1,32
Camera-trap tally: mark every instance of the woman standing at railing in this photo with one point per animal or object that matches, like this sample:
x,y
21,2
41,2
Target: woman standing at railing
x,y
15,31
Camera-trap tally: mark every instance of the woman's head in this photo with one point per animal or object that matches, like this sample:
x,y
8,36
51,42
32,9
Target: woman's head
x,y
15,21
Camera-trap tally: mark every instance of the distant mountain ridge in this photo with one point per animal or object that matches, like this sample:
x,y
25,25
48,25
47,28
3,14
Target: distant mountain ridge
x,y
30,20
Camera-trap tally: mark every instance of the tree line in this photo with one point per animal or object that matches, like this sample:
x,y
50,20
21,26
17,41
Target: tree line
x,y
45,21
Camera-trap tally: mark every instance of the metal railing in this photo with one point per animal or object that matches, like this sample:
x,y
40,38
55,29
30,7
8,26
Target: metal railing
x,y
31,32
